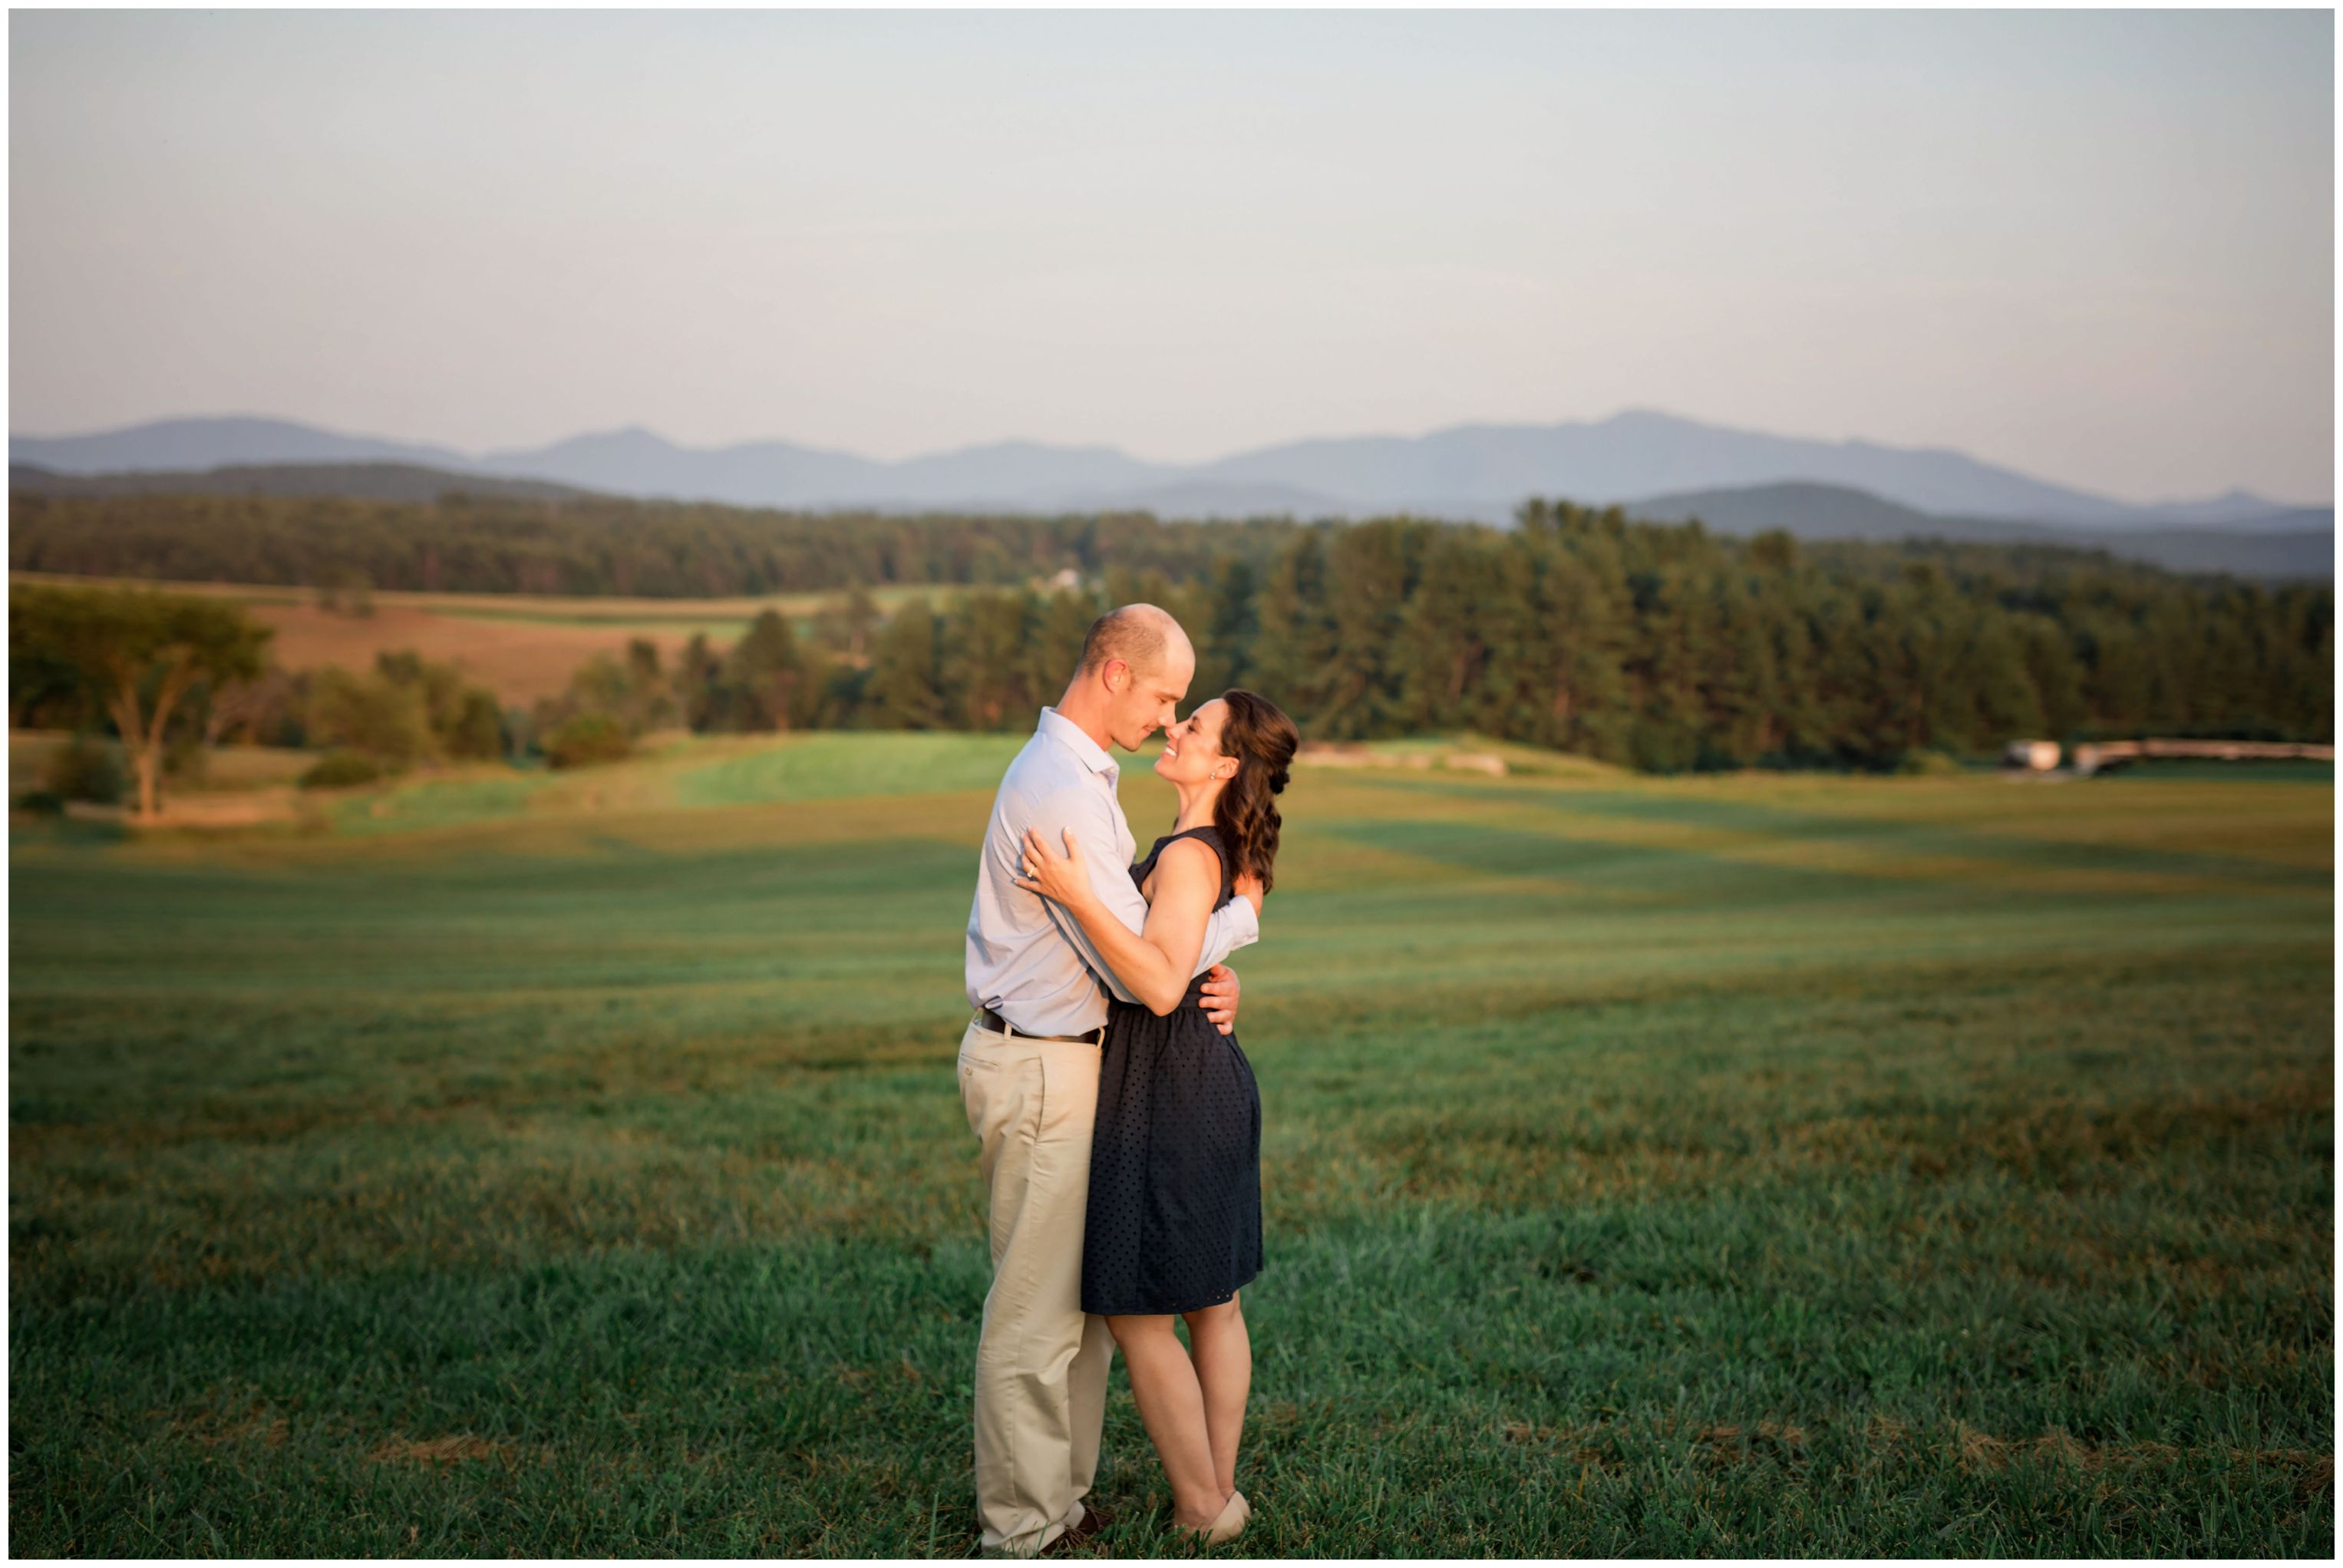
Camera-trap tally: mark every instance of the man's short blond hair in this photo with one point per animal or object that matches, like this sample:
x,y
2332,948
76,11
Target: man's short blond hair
x,y
1137,634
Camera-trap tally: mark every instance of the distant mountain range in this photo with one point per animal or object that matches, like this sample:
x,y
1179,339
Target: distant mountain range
x,y
1472,471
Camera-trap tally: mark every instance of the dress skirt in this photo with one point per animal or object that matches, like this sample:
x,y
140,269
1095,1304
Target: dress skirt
x,y
1175,1219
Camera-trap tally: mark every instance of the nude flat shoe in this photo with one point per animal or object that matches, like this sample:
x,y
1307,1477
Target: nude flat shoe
x,y
1230,1523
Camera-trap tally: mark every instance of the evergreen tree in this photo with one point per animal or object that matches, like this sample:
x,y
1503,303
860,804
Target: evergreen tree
x,y
1443,644
1590,709
986,634
1370,572
1743,689
761,675
698,681
1234,623
1293,654
1055,647
904,691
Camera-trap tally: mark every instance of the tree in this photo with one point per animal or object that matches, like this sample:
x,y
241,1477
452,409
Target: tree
x,y
648,705
1296,645
478,728
43,683
1744,693
1056,645
1443,642
903,692
986,674
698,674
375,715
137,651
762,673
1370,571
1774,550
600,685
1234,624
463,719
1589,707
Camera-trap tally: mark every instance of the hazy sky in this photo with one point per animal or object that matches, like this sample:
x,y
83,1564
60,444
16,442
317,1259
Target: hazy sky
x,y
2097,247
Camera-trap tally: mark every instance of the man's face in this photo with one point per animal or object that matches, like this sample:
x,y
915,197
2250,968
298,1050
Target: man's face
x,y
1143,701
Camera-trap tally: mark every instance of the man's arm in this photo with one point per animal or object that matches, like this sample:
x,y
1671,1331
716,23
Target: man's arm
x,y
1158,962
1086,812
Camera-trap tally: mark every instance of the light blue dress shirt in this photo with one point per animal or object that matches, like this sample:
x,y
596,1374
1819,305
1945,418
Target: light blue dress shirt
x,y
1027,958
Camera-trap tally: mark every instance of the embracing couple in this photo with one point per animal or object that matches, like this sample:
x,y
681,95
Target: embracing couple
x,y
1117,1123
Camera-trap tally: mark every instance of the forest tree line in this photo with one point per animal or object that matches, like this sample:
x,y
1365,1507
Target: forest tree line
x,y
1660,647
650,550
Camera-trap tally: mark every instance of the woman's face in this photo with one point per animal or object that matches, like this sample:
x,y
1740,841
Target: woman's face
x,y
1191,747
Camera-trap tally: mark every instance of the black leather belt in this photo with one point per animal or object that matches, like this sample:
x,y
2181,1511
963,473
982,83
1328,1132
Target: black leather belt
x,y
999,1025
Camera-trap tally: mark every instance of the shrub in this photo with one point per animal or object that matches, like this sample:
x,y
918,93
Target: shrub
x,y
85,768
588,739
478,730
1929,762
369,713
340,770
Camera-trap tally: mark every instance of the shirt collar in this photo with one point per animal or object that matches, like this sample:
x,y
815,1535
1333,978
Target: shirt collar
x,y
1069,734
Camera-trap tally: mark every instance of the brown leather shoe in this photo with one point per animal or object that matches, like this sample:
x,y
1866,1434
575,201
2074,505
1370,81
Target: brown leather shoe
x,y
1077,1534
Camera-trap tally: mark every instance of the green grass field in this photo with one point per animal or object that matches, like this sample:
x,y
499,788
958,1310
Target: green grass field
x,y
1781,1164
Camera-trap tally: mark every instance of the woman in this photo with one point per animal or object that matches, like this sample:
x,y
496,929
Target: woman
x,y
1175,1221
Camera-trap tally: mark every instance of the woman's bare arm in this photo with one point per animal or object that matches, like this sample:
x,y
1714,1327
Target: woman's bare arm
x,y
1155,964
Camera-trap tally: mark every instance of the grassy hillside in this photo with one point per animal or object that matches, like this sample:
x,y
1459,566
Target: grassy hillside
x,y
1743,1165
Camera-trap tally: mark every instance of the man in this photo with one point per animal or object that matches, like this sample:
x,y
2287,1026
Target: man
x,y
1028,1067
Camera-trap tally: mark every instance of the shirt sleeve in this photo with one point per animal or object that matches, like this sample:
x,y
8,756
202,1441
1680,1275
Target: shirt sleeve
x,y
1233,926
1089,815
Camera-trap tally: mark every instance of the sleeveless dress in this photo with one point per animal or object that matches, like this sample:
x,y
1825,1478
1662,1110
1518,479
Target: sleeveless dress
x,y
1174,1218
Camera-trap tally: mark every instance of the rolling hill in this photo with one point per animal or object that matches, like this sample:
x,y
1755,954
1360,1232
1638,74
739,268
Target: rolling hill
x,y
359,481
2298,545
1476,471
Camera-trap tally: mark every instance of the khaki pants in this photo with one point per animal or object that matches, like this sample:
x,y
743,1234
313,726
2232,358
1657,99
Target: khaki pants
x,y
1040,1361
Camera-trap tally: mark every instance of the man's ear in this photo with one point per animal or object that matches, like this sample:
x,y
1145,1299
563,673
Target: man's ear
x,y
1118,676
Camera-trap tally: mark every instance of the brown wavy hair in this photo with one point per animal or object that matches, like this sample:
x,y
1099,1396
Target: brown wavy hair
x,y
1256,732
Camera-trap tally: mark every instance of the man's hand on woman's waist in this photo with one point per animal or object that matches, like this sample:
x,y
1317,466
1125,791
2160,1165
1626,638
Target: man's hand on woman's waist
x,y
1220,1000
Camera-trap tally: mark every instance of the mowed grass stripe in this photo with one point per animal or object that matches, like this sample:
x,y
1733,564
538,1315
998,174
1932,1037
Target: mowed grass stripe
x,y
1773,835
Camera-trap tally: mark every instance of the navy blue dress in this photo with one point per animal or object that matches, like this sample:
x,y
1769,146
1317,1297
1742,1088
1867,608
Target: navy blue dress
x,y
1175,1219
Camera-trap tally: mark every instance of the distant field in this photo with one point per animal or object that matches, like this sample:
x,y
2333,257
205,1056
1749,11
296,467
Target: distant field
x,y
521,645
1761,1165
